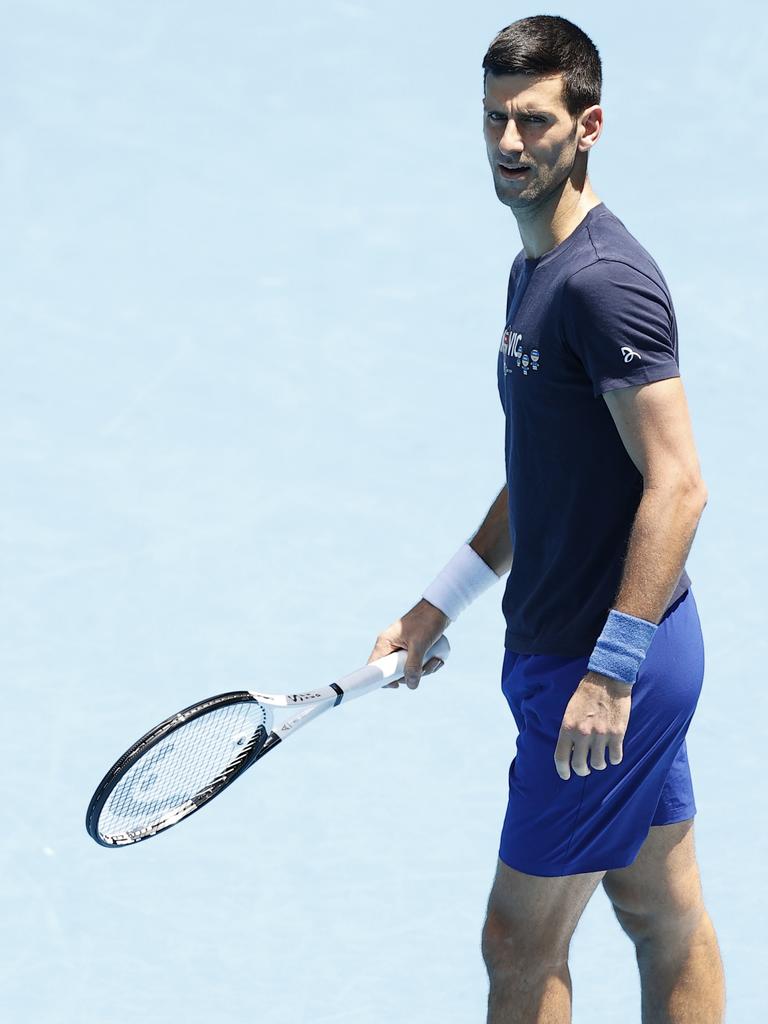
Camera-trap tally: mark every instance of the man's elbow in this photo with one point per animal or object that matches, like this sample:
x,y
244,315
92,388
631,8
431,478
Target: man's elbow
x,y
678,485
696,489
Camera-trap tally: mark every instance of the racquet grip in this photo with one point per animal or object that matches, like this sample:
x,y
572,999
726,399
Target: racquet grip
x,y
385,670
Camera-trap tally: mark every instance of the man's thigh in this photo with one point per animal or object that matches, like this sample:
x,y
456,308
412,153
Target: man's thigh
x,y
662,882
541,910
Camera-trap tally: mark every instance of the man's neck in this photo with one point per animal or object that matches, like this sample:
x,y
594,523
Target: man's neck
x,y
549,227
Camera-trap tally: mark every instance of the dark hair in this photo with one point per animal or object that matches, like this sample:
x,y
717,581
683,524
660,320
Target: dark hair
x,y
546,44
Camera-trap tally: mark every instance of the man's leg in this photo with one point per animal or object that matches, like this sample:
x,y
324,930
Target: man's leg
x,y
658,902
525,941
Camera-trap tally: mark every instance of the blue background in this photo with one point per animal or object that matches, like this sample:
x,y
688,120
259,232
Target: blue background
x,y
254,274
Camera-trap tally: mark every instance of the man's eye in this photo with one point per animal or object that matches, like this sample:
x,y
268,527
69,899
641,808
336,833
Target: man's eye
x,y
495,116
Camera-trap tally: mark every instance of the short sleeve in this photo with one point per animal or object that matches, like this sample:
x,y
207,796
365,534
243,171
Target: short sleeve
x,y
619,323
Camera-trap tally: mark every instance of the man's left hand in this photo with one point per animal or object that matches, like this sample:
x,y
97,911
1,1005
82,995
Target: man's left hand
x,y
596,717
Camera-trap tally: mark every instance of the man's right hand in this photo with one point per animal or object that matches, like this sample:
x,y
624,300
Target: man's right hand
x,y
415,632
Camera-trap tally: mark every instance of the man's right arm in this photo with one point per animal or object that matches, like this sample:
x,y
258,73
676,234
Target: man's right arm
x,y
418,629
492,540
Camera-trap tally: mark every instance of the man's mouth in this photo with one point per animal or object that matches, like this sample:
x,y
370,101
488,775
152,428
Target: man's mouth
x,y
512,172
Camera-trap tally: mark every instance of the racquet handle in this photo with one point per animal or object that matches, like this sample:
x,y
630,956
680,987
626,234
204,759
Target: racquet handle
x,y
385,670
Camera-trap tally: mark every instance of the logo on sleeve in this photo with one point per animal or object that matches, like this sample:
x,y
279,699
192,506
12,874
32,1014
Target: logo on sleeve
x,y
629,353
512,347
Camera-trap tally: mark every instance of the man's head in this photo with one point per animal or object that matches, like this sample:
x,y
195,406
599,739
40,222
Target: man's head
x,y
542,83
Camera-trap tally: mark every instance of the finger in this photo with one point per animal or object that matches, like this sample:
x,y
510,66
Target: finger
x,y
381,648
431,666
563,755
597,752
615,749
413,667
580,751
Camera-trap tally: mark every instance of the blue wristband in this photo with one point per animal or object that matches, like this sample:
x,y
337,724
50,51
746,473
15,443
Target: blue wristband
x,y
621,646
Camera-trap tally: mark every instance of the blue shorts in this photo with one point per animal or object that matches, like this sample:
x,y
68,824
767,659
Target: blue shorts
x,y
599,821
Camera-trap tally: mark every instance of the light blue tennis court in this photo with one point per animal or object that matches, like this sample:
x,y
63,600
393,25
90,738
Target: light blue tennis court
x,y
254,275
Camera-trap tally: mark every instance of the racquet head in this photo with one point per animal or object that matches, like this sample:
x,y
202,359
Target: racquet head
x,y
177,767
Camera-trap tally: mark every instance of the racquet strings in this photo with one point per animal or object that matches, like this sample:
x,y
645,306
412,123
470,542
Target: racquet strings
x,y
193,757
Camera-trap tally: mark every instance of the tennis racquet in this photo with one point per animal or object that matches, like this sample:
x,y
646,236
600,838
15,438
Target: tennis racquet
x,y
188,759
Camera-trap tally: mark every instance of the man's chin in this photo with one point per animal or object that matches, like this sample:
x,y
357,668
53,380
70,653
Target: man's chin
x,y
509,188
510,197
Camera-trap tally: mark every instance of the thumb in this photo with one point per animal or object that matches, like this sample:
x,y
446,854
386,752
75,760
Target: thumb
x,y
413,666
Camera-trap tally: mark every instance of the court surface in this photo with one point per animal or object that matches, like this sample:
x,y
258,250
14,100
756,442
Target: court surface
x,y
253,283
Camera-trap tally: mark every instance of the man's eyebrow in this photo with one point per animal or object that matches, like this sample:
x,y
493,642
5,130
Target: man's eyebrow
x,y
520,110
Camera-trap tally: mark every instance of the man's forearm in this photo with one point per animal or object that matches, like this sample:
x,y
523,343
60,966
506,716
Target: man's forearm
x,y
492,540
662,534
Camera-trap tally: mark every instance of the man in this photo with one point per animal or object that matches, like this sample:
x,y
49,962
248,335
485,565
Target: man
x,y
603,646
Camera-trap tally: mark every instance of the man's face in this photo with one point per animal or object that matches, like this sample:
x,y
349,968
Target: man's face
x,y
525,123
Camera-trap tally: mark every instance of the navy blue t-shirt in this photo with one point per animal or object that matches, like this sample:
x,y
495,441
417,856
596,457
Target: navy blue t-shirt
x,y
590,315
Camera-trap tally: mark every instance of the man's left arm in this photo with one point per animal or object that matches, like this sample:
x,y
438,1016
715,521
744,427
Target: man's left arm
x,y
655,428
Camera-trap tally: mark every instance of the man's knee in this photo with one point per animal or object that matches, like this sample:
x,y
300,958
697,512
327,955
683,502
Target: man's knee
x,y
672,910
531,918
670,922
660,894
510,945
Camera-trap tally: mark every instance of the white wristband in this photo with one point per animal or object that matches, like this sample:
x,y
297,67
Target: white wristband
x,y
463,579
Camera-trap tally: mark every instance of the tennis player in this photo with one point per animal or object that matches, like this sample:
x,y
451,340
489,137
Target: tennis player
x,y
603,653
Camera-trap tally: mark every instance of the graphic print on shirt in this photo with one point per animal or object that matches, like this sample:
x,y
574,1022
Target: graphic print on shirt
x,y
512,348
629,353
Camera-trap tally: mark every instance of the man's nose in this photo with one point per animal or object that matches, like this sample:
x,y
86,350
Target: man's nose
x,y
510,141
